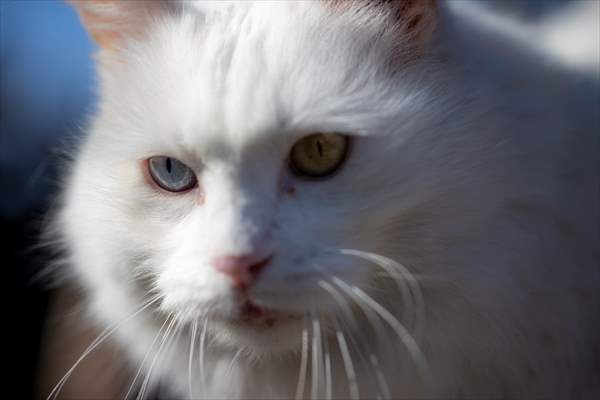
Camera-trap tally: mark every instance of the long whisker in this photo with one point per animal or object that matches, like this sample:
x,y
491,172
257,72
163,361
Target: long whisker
x,y
349,317
343,346
408,341
373,320
191,357
404,280
417,277
405,289
233,360
341,302
139,371
328,385
201,358
348,366
101,338
371,317
317,362
303,366
155,358
381,381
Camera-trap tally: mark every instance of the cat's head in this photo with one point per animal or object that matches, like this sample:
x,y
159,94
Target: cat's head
x,y
238,149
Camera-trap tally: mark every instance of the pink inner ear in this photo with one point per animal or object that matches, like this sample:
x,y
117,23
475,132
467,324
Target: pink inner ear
x,y
415,18
108,21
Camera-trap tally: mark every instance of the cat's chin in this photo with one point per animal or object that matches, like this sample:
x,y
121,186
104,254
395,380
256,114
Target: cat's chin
x,y
264,332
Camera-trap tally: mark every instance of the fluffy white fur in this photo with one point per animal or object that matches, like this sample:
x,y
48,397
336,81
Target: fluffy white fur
x,y
474,165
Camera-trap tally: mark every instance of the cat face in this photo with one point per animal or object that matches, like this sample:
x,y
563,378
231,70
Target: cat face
x,y
214,101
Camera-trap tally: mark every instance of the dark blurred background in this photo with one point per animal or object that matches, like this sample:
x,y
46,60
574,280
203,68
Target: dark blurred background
x,y
46,80
46,92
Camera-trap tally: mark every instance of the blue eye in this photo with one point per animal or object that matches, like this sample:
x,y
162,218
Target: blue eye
x,y
171,174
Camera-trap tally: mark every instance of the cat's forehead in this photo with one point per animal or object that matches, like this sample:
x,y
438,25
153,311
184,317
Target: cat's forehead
x,y
241,73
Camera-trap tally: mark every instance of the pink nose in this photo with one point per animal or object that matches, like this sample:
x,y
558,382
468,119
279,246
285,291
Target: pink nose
x,y
242,270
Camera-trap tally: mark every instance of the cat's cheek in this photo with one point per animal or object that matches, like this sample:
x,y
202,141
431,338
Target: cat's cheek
x,y
286,183
185,288
290,190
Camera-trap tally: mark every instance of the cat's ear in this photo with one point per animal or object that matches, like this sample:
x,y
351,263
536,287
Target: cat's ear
x,y
412,22
416,19
110,21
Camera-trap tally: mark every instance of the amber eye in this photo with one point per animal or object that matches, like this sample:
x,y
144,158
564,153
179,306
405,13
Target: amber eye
x,y
171,174
319,155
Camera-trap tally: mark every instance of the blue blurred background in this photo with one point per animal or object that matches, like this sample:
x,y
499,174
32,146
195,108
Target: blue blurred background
x,y
46,91
46,87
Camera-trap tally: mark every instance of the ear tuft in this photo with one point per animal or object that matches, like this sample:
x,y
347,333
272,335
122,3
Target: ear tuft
x,y
416,19
412,21
110,21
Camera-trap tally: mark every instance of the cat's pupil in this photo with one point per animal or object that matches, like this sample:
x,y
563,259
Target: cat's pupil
x,y
169,166
320,148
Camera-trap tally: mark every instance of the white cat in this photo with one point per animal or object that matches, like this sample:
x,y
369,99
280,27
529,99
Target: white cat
x,y
345,199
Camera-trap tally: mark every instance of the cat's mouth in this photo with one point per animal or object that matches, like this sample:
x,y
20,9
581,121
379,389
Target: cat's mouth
x,y
252,314
259,328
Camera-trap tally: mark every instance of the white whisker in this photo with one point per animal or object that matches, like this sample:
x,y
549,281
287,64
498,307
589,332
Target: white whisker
x,y
201,358
191,357
404,280
101,338
139,371
233,360
317,364
346,311
328,378
341,302
408,341
348,315
382,382
375,322
166,335
348,366
303,366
